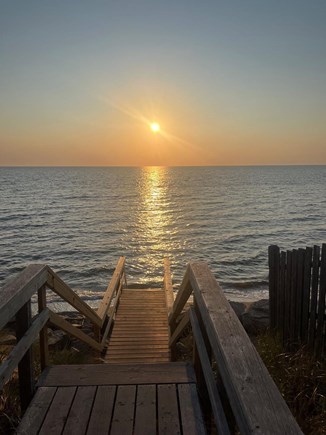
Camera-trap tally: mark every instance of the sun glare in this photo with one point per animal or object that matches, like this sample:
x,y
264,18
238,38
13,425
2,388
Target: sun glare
x,y
155,127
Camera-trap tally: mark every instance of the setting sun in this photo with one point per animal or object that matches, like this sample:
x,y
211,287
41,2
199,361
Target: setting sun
x,y
155,127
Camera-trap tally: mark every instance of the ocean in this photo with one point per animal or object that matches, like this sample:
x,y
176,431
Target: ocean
x,y
79,220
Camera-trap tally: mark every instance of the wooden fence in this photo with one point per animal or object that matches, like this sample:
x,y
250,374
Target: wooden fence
x,y
297,289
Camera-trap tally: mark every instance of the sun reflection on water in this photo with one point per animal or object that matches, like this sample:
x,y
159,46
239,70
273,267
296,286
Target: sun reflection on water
x,y
154,221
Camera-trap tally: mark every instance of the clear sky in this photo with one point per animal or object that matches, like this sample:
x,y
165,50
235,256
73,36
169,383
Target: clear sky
x,y
232,82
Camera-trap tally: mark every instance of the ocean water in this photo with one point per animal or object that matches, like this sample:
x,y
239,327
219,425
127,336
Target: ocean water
x,y
80,220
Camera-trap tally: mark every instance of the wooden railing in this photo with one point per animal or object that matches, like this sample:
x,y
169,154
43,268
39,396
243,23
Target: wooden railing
x,y
167,285
297,292
15,302
256,403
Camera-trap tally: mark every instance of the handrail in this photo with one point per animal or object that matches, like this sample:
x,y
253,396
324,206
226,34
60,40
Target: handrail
x,y
18,352
257,404
19,291
167,285
15,300
111,290
55,283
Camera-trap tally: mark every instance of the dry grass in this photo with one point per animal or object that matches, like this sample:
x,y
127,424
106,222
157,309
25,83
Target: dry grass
x,y
301,380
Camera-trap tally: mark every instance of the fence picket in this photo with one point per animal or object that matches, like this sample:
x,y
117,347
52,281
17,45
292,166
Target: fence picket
x,y
298,296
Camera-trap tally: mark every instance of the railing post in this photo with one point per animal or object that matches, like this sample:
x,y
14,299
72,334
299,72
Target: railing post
x,y
201,383
25,367
44,346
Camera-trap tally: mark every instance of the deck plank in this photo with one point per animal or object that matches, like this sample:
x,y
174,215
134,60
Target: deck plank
x,y
36,412
145,414
122,374
123,414
80,411
57,414
191,416
141,323
167,410
102,411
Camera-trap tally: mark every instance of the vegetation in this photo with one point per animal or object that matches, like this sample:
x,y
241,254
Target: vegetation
x,y
301,380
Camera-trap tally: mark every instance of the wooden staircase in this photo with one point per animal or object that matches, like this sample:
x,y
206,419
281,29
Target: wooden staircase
x,y
140,333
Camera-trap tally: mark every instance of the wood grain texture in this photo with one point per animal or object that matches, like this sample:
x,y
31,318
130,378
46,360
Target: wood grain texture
x,y
111,290
167,410
18,352
190,412
167,285
100,419
56,284
34,416
123,414
145,413
57,415
122,374
255,400
61,323
18,291
215,401
140,332
80,411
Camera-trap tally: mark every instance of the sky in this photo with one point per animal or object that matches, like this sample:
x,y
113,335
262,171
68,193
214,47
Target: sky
x,y
229,82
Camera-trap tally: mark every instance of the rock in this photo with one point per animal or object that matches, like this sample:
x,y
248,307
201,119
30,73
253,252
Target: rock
x,y
58,339
256,318
238,307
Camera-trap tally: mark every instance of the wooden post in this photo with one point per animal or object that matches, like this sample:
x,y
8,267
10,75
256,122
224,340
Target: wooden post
x,y
314,294
321,303
273,262
44,347
25,367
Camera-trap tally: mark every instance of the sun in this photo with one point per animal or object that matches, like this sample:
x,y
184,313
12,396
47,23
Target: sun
x,y
155,127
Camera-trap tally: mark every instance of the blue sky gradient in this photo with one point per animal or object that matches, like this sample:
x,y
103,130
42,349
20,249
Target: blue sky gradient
x,y
231,82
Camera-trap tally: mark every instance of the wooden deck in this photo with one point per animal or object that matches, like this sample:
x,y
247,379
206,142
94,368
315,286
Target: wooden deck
x,y
141,332
116,399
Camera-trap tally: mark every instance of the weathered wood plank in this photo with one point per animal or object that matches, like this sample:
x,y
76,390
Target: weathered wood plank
x,y
255,400
102,411
61,323
103,374
110,322
124,409
321,303
56,284
215,401
80,411
180,301
306,295
18,291
24,354
167,285
180,328
282,294
167,410
36,411
314,295
299,293
145,415
44,345
293,311
57,414
273,256
11,362
190,412
110,291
